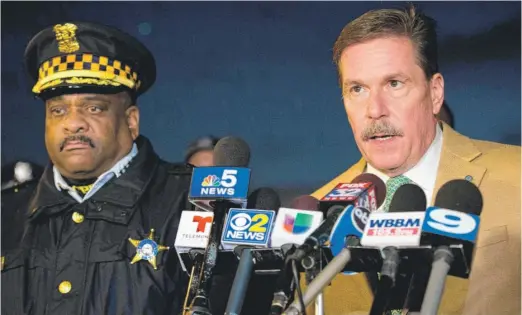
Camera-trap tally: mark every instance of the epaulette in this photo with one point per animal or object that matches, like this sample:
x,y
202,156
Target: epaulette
x,y
32,184
180,168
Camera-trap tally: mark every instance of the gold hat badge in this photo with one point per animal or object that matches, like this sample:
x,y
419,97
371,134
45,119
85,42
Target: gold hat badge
x,y
147,249
66,37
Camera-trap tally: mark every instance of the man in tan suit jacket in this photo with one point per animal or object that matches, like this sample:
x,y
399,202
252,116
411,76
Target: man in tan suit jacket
x,y
392,92
495,279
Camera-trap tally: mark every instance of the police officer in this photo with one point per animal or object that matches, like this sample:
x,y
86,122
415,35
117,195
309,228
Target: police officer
x,y
201,151
19,179
96,235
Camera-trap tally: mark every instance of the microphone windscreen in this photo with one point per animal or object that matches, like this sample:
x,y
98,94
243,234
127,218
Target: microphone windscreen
x,y
231,151
264,198
305,202
460,195
408,197
380,187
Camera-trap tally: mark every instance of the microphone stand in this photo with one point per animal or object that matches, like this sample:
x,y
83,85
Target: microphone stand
x,y
241,280
322,280
195,274
200,304
285,282
312,270
387,280
442,260
325,277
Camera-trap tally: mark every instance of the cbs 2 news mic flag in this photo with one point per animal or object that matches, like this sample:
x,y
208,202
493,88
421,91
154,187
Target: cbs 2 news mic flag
x,y
219,183
248,227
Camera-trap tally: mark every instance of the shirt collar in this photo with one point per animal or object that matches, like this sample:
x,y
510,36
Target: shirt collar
x,y
424,172
118,169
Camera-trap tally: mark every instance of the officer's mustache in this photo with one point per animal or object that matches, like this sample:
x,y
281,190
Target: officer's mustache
x,y
380,129
80,138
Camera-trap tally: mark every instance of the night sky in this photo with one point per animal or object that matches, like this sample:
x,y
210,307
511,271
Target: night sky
x,y
263,71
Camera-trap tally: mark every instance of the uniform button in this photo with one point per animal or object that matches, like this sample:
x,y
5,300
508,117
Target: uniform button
x,y
77,217
65,287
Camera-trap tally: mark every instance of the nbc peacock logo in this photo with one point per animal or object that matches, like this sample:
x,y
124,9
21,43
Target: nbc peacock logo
x,y
211,181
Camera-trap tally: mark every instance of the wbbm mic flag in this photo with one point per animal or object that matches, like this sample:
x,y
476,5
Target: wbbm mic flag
x,y
219,183
393,229
248,227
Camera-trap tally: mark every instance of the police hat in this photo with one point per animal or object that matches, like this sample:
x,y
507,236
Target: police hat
x,y
200,144
84,57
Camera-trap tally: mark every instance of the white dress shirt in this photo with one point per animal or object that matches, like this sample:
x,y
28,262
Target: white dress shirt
x,y
424,173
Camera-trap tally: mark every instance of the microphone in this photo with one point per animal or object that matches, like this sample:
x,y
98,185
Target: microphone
x,y
193,233
227,180
350,222
248,227
293,225
451,226
291,228
191,240
218,189
366,190
305,202
399,227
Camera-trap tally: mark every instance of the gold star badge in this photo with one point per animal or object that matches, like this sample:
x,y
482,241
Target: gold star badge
x,y
147,249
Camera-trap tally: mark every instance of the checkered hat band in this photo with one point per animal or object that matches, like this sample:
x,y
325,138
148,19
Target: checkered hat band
x,y
75,66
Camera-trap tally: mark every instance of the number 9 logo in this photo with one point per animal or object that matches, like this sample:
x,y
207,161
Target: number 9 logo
x,y
451,221
228,179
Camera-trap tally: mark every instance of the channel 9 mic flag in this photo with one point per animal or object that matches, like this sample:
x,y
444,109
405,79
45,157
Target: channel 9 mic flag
x,y
215,183
451,223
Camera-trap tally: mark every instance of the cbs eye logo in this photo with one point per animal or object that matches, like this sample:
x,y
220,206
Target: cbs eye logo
x,y
243,221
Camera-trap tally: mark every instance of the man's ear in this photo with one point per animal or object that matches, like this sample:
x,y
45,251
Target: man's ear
x,y
133,120
437,92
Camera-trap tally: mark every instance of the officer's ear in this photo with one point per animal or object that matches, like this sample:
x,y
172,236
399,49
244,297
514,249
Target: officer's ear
x,y
132,115
133,120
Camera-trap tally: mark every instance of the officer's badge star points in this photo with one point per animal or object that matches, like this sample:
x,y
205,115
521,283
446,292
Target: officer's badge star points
x,y
147,249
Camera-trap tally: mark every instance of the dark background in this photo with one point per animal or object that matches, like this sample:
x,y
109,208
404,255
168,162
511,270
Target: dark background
x,y
263,71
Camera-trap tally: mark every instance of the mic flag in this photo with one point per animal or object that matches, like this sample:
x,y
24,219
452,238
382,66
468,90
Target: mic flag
x,y
193,232
248,227
228,180
294,225
455,220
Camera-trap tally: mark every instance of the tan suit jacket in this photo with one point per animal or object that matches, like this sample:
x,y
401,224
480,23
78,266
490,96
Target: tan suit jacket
x,y
494,284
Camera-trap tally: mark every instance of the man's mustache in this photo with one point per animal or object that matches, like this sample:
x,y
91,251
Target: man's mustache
x,y
80,138
380,128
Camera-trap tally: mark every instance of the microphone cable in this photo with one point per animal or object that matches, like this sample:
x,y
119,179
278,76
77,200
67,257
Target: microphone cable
x,y
298,286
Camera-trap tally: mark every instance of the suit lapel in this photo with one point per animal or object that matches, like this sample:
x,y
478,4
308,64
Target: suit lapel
x,y
458,152
345,177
